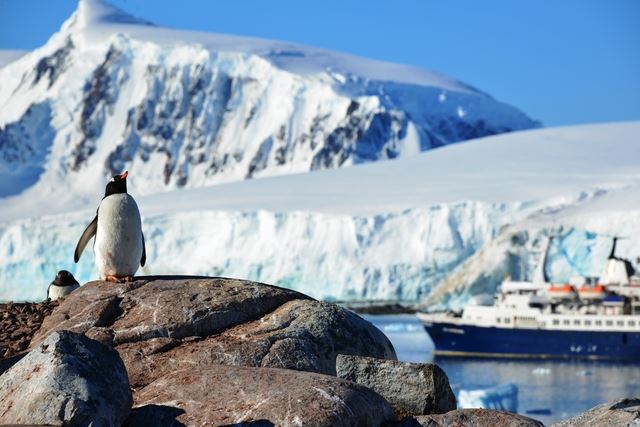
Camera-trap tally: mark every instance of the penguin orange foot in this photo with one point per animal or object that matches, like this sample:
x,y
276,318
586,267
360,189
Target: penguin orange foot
x,y
116,279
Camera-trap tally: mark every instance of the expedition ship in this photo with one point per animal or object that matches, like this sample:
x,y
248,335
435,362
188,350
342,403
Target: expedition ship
x,y
588,318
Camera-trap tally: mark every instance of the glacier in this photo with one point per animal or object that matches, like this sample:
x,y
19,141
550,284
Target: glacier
x,y
328,256
405,256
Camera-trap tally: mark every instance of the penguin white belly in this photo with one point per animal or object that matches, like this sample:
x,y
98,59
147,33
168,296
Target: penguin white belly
x,y
56,292
118,244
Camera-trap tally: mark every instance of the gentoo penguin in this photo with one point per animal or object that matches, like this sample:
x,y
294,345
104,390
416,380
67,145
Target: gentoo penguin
x,y
62,285
119,243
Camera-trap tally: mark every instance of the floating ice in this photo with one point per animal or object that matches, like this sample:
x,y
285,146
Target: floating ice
x,y
541,371
503,397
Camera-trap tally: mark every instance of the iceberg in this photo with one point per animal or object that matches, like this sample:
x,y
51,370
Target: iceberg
x,y
503,397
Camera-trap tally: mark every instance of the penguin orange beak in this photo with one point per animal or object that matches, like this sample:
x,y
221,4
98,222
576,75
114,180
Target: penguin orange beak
x,y
124,175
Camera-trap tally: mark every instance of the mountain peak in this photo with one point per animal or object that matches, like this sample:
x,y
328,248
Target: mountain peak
x,y
96,12
96,20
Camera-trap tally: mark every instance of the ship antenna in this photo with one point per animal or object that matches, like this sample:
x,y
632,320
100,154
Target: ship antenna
x,y
612,255
540,275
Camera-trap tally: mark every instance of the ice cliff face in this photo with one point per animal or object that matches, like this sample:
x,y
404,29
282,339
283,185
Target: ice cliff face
x,y
324,255
399,256
109,92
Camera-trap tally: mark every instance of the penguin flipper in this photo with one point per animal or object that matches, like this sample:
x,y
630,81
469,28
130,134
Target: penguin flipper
x,y
143,259
88,233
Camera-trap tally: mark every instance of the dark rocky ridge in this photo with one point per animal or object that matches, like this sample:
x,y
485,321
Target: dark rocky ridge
x,y
100,95
54,65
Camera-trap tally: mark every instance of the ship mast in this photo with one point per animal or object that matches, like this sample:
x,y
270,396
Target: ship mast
x,y
539,275
617,271
612,255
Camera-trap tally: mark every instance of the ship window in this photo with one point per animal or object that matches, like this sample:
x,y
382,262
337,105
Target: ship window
x,y
620,323
587,323
566,322
556,321
609,323
598,322
576,322
498,320
507,320
632,323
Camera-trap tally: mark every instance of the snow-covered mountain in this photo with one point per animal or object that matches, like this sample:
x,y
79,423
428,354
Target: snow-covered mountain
x,y
440,224
111,92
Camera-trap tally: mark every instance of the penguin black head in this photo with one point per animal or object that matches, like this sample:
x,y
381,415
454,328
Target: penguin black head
x,y
118,184
64,278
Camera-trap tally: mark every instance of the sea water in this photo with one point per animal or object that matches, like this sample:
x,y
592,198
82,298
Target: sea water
x,y
547,390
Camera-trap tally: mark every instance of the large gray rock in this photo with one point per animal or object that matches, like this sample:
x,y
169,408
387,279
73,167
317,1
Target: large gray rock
x,y
411,388
472,418
160,325
229,395
68,379
620,412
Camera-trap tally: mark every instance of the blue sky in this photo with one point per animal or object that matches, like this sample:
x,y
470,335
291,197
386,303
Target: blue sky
x,y
561,62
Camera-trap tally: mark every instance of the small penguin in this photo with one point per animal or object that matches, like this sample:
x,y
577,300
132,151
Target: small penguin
x,y
119,243
62,285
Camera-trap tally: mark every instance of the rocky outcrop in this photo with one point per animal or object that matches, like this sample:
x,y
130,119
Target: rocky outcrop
x,y
620,412
68,379
230,395
235,333
18,323
162,325
411,388
472,418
